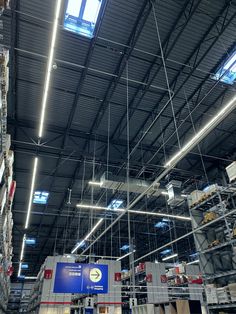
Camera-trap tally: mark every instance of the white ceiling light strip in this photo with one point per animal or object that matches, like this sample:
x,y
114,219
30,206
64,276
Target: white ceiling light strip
x,y
218,117
126,255
31,191
21,255
87,236
95,183
138,212
193,262
49,67
169,257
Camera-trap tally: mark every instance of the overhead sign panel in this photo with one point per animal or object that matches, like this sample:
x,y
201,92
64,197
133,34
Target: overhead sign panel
x,y
81,278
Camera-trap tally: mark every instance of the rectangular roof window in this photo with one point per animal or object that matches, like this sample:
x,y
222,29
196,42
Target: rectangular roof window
x,y
40,197
30,241
81,16
229,66
115,204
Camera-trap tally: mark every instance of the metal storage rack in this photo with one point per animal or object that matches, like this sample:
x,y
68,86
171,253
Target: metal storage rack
x,y
154,286
216,245
7,186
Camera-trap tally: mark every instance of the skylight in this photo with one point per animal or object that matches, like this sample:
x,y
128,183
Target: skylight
x,y
230,76
30,241
163,224
40,197
165,252
115,204
24,266
81,16
125,247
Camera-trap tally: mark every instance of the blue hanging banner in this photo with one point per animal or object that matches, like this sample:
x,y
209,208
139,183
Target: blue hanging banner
x,y
81,278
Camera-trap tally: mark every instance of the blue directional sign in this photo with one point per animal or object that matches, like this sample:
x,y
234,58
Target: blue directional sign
x,y
81,278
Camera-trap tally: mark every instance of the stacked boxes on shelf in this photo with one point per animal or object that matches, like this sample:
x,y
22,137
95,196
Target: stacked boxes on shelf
x,y
198,196
211,294
231,171
215,243
4,4
7,185
42,299
157,282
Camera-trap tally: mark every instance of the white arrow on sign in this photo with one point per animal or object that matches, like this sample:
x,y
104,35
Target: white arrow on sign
x,y
95,274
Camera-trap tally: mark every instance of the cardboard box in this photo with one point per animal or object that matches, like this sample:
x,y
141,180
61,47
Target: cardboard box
x,y
231,171
195,197
222,294
211,294
232,291
211,189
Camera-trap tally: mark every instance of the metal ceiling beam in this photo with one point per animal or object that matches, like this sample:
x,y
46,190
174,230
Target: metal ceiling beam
x,y
194,52
76,98
162,174
185,12
71,119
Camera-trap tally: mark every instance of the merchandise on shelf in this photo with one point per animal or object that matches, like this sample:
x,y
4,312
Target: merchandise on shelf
x,y
195,197
209,217
232,291
7,185
211,294
216,245
231,171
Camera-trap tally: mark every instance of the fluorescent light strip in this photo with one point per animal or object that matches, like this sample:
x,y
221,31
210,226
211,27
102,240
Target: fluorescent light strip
x,y
21,254
138,212
169,257
126,255
49,66
95,183
164,193
92,207
202,133
31,277
87,236
31,191
193,262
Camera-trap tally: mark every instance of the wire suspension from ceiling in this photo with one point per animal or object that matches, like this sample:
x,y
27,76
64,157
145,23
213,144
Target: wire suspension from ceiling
x,y
194,130
165,71
131,246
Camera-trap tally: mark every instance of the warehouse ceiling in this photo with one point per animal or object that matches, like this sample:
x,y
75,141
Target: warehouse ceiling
x,y
92,84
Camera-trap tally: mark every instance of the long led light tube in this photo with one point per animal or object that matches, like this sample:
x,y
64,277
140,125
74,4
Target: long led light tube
x,y
193,262
49,66
169,257
138,212
88,235
126,255
230,106
31,192
21,254
95,183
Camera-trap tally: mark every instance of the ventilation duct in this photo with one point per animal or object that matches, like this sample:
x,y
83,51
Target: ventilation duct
x,y
175,197
117,183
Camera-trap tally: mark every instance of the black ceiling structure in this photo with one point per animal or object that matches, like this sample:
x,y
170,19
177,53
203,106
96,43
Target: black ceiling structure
x,y
85,131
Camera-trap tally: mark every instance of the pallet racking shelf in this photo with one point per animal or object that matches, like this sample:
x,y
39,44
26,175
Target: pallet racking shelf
x,y
7,186
215,243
